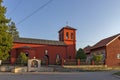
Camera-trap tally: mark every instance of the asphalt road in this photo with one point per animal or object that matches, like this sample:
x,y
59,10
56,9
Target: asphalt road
x,y
59,76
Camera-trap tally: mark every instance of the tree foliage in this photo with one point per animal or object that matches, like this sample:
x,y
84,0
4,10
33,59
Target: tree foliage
x,y
22,58
97,58
80,54
6,39
13,30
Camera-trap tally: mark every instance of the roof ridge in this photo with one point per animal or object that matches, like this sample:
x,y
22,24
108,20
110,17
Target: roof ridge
x,y
104,41
38,41
111,36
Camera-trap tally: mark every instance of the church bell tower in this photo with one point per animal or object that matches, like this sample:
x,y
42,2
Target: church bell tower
x,y
68,35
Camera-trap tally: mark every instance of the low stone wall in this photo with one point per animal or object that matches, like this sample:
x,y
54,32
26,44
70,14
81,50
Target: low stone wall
x,y
92,67
25,69
6,68
83,66
19,69
46,69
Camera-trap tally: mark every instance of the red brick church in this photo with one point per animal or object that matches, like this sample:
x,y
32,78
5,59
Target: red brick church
x,y
52,50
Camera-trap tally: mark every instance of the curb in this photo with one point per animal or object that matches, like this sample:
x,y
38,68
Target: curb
x,y
116,76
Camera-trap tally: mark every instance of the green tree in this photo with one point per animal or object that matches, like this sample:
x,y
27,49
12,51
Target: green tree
x,y
13,30
80,54
97,58
6,39
22,58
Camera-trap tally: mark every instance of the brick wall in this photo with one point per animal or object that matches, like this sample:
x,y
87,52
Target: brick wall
x,y
38,51
112,50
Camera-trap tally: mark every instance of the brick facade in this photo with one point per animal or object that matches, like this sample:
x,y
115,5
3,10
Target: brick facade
x,y
110,47
37,48
112,50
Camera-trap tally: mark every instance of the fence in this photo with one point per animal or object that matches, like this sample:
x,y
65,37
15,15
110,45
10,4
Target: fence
x,y
70,62
80,62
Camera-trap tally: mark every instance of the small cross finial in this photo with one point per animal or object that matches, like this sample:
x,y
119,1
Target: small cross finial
x,y
67,23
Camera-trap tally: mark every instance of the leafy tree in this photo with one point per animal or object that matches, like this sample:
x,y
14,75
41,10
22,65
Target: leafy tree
x,y
97,58
22,58
13,30
80,54
6,39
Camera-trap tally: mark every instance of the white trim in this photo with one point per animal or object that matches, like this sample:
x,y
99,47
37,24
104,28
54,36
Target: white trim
x,y
118,56
112,40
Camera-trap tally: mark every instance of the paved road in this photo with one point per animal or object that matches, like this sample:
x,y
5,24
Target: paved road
x,y
60,76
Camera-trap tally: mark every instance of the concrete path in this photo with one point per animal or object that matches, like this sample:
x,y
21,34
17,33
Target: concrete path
x,y
59,76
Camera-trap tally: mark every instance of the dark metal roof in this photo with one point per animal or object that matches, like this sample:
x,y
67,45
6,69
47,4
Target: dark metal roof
x,y
39,41
104,42
67,27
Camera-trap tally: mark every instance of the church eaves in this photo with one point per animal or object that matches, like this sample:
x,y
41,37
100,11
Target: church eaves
x,y
39,41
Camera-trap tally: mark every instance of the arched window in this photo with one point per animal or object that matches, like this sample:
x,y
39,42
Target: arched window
x,y
46,52
46,56
71,35
62,36
58,59
27,54
67,35
57,56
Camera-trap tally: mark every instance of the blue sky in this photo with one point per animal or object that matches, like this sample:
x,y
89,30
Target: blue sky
x,y
93,19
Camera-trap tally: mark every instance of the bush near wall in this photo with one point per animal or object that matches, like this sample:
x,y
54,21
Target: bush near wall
x,y
22,59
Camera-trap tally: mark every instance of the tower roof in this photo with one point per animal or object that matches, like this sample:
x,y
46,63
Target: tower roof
x,y
67,27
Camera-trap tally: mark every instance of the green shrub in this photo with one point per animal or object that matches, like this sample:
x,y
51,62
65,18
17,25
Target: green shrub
x,y
22,58
97,58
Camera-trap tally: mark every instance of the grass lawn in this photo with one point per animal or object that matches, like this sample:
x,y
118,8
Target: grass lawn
x,y
118,73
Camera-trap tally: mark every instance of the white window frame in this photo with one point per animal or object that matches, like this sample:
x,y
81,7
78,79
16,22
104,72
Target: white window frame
x,y
118,56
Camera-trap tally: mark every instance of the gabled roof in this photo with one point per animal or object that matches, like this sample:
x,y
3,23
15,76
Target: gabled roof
x,y
67,27
87,49
39,41
104,42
